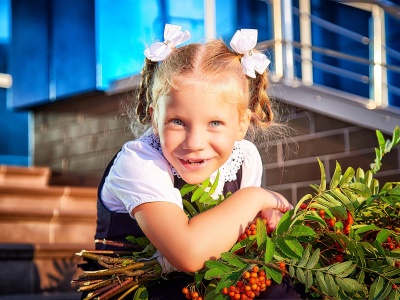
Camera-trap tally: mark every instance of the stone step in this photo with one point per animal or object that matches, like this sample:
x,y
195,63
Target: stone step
x,y
39,271
47,225
55,197
24,176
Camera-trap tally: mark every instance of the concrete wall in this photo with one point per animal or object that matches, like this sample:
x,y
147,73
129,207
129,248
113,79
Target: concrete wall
x,y
77,138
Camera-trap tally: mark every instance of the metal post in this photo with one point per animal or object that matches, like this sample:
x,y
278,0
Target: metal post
x,y
209,19
287,30
379,91
278,47
306,42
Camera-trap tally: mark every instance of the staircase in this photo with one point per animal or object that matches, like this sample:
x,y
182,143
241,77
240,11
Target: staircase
x,y
42,227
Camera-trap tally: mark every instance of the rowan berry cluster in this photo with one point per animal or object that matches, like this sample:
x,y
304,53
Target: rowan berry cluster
x,y
251,284
391,244
251,230
332,221
191,293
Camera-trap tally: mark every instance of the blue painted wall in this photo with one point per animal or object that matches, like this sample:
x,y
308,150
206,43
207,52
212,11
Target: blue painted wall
x,y
14,139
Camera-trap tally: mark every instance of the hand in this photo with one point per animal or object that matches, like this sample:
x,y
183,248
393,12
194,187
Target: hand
x,y
277,206
273,216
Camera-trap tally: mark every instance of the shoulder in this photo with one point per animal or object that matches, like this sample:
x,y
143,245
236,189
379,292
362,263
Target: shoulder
x,y
141,154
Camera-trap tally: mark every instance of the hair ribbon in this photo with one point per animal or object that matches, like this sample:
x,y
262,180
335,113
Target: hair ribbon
x,y
173,36
243,42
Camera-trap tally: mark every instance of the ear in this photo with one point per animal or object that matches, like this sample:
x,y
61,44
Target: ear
x,y
244,122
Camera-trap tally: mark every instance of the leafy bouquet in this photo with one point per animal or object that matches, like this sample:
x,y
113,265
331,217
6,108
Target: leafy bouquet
x,y
342,242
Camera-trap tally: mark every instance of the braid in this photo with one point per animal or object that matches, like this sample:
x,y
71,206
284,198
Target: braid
x,y
259,102
144,93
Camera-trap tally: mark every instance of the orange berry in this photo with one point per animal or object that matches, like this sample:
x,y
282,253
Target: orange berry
x,y
246,275
225,291
185,290
282,265
256,269
195,295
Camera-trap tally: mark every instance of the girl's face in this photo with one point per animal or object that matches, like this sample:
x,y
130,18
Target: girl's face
x,y
197,130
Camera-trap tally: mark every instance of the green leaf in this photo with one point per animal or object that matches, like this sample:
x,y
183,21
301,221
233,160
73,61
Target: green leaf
x,y
338,268
141,293
315,217
215,184
347,202
339,212
233,260
336,176
347,177
274,274
382,236
366,228
324,202
301,201
306,255
348,271
228,279
206,199
189,208
300,275
284,223
269,250
332,287
290,247
309,279
187,188
322,185
261,233
205,183
376,288
313,259
349,285
197,194
391,272
394,295
291,271
321,282
214,295
301,231
213,264
386,290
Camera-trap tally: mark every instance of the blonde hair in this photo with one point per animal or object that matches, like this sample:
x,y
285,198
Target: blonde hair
x,y
214,66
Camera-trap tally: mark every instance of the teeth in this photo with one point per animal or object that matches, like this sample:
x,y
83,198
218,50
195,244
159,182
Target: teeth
x,y
195,162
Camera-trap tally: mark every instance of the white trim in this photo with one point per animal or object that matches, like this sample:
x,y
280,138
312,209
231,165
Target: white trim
x,y
5,80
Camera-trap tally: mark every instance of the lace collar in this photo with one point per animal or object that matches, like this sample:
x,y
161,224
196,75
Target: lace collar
x,y
227,171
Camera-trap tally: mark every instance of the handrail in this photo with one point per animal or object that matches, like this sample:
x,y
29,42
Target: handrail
x,y
379,73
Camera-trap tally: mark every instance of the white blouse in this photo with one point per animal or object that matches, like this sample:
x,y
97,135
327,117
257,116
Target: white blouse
x,y
140,174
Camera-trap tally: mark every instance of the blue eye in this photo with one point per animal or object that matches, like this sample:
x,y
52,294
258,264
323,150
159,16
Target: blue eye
x,y
177,122
215,123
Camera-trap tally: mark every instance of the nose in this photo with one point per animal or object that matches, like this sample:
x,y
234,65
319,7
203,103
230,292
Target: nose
x,y
195,139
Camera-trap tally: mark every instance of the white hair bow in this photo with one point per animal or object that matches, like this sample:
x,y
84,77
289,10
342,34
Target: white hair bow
x,y
173,36
243,42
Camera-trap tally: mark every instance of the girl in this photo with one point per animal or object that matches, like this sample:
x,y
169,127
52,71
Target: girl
x,y
200,101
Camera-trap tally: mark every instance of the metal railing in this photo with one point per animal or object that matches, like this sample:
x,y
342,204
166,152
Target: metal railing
x,y
289,53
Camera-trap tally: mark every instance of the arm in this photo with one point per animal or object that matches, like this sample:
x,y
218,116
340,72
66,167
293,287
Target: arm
x,y
187,244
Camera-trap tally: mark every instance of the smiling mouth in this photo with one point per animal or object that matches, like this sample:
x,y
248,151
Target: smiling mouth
x,y
194,162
